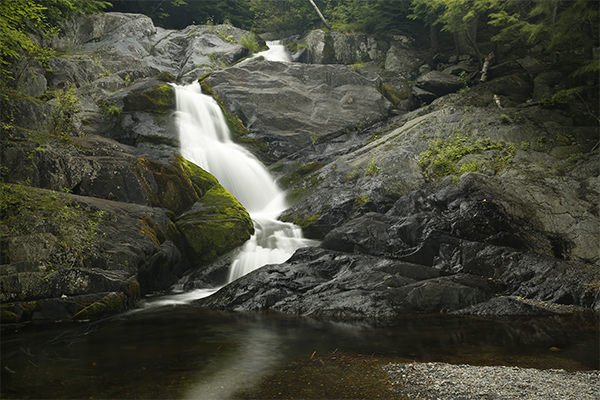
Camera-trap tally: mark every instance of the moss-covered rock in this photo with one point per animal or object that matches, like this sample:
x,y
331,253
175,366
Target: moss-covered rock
x,y
215,225
111,304
300,173
209,220
176,186
160,98
400,98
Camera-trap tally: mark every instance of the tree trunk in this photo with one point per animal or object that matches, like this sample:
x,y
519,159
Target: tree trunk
x,y
320,15
433,37
466,42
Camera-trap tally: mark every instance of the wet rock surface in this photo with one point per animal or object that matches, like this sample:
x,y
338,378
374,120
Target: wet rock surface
x,y
297,104
480,199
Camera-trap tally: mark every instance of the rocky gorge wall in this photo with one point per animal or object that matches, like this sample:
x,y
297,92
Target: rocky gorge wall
x,y
429,192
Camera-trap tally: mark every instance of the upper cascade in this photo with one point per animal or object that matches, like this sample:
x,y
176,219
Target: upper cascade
x,y
205,140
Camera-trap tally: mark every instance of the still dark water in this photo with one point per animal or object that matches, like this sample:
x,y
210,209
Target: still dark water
x,y
183,351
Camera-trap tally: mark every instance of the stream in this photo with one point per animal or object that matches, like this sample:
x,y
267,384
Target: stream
x,y
173,349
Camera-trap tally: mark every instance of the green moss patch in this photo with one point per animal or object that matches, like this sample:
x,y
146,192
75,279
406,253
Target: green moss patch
x,y
158,100
178,185
443,156
111,304
396,97
300,173
214,226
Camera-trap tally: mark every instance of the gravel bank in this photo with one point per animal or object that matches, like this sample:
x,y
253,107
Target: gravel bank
x,y
465,382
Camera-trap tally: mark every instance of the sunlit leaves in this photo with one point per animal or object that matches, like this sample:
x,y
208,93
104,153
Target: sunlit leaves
x,y
19,19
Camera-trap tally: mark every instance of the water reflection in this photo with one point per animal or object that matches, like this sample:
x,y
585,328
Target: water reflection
x,y
183,351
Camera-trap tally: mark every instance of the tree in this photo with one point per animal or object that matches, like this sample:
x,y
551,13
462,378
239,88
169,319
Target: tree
x,y
458,17
320,15
20,19
559,24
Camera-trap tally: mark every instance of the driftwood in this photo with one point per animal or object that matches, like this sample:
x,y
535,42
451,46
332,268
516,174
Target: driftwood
x,y
486,65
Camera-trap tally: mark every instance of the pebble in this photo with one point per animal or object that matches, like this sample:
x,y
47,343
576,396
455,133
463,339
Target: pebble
x,y
443,381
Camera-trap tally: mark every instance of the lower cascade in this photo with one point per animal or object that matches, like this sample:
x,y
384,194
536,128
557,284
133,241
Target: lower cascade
x,y
206,141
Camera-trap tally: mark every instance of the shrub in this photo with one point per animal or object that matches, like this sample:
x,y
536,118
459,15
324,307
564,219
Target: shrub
x,y
561,98
441,157
249,41
358,66
372,168
62,118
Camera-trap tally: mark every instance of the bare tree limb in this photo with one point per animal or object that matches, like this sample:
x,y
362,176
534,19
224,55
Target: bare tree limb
x,y
320,15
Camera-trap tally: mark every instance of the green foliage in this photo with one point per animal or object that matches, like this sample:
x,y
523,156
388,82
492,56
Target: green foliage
x,y
372,169
178,14
249,41
362,200
442,156
21,18
62,118
375,16
109,109
561,98
276,15
73,227
561,25
358,66
462,78
92,226
13,200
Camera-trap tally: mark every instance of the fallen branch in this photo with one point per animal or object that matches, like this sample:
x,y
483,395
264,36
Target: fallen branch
x,y
497,100
486,65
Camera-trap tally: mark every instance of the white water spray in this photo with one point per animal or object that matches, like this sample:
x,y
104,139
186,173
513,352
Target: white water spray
x,y
276,52
205,140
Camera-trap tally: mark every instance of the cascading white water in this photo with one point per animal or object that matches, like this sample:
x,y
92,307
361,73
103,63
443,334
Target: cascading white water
x,y
205,140
276,52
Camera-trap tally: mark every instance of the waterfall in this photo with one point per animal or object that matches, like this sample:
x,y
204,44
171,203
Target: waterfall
x,y
205,140
276,52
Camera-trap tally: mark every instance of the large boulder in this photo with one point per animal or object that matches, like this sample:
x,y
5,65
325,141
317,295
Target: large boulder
x,y
403,59
295,105
325,283
439,83
458,246
339,48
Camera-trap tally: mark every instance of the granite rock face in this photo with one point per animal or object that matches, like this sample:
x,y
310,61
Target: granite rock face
x,y
297,104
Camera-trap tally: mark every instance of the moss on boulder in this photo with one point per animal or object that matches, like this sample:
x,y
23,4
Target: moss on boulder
x,y
215,225
176,186
210,221
161,98
111,304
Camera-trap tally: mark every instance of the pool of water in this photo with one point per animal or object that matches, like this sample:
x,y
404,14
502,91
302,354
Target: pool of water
x,y
177,350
